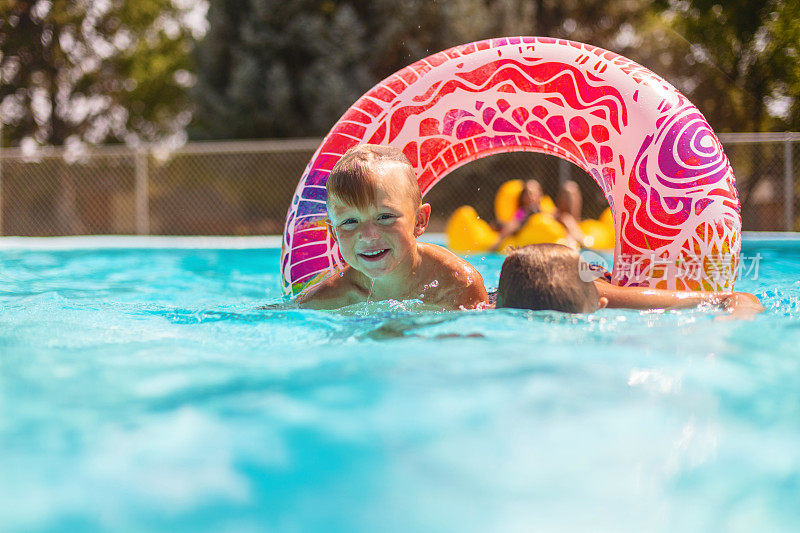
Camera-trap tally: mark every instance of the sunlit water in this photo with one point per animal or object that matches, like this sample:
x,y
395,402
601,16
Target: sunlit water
x,y
143,390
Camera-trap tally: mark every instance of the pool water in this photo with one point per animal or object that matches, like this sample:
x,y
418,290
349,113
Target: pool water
x,y
143,390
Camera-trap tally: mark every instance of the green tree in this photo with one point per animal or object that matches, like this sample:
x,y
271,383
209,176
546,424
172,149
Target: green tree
x,y
279,67
292,67
784,44
736,60
90,72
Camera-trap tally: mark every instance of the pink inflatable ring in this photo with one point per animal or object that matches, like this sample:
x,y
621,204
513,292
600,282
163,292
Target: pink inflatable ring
x,y
667,180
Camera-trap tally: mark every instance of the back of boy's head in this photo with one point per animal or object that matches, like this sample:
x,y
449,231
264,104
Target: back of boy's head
x,y
545,276
351,179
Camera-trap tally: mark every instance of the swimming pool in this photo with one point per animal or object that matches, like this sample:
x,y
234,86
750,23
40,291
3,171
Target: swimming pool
x,y
142,389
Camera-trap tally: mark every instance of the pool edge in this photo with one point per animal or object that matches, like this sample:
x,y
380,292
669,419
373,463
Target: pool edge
x,y
86,242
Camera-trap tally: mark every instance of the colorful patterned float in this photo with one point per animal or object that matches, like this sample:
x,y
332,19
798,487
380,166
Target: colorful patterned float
x,y
662,169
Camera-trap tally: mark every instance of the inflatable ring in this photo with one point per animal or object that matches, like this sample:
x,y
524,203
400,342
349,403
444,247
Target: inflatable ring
x,y
660,166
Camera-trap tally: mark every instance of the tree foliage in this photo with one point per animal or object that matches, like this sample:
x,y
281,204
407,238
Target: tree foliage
x,y
122,70
85,71
736,60
292,67
276,68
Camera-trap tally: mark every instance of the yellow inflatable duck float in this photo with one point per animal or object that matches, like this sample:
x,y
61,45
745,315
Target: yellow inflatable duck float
x,y
468,233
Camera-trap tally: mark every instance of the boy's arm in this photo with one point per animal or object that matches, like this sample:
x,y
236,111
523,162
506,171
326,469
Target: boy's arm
x,y
460,285
742,304
647,298
329,294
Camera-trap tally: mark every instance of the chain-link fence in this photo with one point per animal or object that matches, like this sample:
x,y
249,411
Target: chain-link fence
x,y
244,187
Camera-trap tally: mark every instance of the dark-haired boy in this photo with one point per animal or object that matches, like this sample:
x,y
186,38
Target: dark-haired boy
x,y
547,276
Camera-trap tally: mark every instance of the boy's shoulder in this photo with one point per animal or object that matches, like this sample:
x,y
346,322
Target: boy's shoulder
x,y
444,260
459,281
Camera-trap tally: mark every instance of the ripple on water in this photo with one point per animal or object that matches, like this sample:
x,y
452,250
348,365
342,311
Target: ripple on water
x,y
149,391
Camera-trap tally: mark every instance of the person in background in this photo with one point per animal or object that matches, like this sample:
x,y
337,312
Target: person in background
x,y
569,203
528,204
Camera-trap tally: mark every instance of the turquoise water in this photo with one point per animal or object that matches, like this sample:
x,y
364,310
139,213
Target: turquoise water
x,y
142,390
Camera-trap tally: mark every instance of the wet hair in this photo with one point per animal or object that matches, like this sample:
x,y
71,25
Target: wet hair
x,y
351,179
545,276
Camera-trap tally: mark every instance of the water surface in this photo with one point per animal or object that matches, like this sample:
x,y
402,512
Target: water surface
x,y
143,389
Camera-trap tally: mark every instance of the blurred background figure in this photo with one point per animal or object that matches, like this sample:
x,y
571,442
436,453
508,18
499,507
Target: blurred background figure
x,y
529,203
569,203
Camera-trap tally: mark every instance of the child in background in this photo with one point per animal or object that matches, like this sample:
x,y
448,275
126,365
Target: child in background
x,y
528,204
568,212
548,276
376,214
569,203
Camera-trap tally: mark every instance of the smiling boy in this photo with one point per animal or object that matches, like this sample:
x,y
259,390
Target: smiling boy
x,y
376,215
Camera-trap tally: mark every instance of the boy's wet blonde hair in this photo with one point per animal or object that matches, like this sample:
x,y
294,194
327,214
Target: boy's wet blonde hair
x,y
545,276
351,178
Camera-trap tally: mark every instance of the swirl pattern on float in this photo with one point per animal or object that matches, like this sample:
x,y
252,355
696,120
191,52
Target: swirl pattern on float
x,y
660,166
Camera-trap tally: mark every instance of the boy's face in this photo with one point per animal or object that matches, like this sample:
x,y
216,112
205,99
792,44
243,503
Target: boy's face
x,y
375,239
